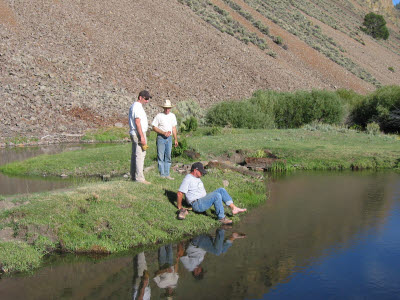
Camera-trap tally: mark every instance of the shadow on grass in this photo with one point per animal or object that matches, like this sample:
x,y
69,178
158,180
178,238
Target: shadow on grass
x,y
171,197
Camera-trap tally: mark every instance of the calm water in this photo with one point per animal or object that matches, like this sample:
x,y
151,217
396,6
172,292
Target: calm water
x,y
10,185
319,236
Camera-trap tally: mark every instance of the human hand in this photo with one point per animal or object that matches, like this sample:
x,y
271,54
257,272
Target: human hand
x,y
167,133
176,143
236,235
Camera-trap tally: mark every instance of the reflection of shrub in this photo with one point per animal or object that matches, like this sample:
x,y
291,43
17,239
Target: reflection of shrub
x,y
182,147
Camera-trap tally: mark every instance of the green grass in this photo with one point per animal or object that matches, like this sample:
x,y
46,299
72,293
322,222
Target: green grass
x,y
111,217
311,147
109,134
306,149
18,256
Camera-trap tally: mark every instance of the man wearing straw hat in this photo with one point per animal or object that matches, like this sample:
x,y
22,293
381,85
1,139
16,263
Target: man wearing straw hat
x,y
165,125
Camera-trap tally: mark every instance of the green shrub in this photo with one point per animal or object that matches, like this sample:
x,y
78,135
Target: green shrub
x,y
238,115
189,124
186,110
182,147
215,130
375,26
269,109
373,128
278,40
382,107
391,69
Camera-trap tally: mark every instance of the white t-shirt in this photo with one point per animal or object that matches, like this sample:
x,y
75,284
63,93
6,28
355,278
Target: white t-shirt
x,y
164,122
193,258
137,111
167,279
193,188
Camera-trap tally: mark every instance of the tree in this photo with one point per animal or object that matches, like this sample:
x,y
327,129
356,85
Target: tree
x,y
375,25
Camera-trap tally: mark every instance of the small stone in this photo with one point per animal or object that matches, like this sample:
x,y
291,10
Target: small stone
x,y
225,183
63,175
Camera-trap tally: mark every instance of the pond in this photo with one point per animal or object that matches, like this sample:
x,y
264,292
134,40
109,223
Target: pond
x,y
319,236
10,185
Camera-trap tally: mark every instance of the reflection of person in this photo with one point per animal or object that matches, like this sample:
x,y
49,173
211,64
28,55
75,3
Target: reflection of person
x,y
167,276
165,125
196,196
138,126
202,244
141,288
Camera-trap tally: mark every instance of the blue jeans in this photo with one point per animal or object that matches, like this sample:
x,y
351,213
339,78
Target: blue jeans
x,y
164,148
214,198
215,245
165,256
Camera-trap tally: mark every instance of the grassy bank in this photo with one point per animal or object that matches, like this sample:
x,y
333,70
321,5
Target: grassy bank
x,y
109,217
311,147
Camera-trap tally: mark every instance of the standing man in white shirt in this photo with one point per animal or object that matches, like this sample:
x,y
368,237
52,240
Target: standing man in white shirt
x,y
165,125
138,126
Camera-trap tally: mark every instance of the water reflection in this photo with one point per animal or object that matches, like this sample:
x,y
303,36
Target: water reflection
x,y
199,246
10,185
189,258
141,288
320,235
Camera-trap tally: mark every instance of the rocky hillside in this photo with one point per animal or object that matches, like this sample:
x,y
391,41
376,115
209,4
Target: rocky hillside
x,y
69,65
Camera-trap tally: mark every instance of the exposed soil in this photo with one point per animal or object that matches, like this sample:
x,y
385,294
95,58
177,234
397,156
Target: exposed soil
x,y
66,66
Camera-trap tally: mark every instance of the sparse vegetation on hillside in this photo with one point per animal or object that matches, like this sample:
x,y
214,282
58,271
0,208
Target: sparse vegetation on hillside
x,y
375,26
298,24
220,19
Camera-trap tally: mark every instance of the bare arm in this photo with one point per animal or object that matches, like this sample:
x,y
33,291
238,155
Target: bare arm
x,y
175,136
179,197
159,131
139,130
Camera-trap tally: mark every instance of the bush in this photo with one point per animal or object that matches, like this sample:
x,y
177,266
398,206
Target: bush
x,y
186,110
238,115
375,26
214,131
382,107
189,124
269,109
373,128
182,147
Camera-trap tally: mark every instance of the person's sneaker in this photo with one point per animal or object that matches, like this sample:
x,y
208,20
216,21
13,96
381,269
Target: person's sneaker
x,y
169,177
182,213
225,221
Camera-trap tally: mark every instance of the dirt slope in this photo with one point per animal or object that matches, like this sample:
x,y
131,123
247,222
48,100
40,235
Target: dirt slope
x,y
69,65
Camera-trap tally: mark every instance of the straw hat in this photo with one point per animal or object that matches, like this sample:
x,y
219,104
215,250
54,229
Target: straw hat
x,y
167,104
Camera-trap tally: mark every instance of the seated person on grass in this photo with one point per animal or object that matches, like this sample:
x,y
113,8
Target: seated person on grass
x,y
197,197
